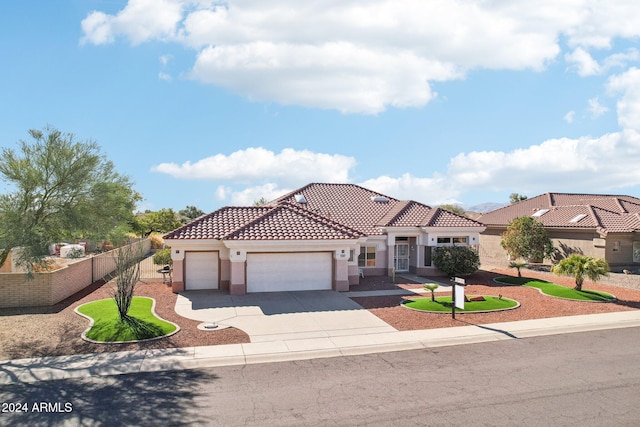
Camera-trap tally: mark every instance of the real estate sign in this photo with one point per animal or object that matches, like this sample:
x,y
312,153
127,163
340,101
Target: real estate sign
x,y
459,302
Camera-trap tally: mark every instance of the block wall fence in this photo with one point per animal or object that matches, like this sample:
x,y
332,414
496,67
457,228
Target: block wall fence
x,y
49,288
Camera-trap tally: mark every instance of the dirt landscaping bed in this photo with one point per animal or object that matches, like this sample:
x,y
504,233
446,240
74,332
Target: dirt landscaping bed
x,y
534,305
55,331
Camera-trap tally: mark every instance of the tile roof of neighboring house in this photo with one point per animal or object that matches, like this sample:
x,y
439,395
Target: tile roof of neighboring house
x,y
605,213
358,208
281,222
330,212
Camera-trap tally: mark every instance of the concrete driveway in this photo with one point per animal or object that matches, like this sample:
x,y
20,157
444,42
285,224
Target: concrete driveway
x,y
275,316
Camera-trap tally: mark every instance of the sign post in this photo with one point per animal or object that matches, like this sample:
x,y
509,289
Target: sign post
x,y
457,299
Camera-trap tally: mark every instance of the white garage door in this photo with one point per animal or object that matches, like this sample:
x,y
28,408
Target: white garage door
x,y
289,271
201,270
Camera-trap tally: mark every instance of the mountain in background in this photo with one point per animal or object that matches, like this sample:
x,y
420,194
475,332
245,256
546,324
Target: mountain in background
x,y
485,207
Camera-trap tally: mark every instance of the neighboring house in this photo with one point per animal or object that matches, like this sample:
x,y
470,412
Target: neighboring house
x,y
321,236
601,226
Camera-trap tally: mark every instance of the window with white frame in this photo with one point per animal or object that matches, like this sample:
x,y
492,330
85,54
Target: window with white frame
x,y
352,255
448,241
367,257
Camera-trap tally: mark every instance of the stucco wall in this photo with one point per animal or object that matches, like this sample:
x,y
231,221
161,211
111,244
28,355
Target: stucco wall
x,y
567,242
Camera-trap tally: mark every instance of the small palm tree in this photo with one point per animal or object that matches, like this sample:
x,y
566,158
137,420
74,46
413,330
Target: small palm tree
x,y
518,265
581,267
431,287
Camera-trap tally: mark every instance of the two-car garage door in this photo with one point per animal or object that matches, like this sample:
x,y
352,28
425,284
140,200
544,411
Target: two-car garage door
x,y
299,271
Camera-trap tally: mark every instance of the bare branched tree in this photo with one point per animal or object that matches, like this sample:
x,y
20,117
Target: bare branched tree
x,y
127,274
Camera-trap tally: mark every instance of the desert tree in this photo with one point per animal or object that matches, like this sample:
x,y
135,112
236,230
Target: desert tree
x,y
58,188
161,221
526,238
515,198
126,276
190,213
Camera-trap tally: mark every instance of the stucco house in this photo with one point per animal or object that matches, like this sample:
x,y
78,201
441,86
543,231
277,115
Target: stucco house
x,y
597,225
320,236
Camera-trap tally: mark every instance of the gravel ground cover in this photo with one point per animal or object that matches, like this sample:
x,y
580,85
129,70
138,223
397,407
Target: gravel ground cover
x,y
56,330
534,305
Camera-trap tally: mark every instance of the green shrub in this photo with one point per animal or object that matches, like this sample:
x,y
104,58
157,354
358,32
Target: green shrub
x,y
163,257
456,260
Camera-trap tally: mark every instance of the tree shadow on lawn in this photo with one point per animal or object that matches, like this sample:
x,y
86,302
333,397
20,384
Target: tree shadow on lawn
x,y
137,329
141,399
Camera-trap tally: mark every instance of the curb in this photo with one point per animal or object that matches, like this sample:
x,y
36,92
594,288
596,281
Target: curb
x,y
117,363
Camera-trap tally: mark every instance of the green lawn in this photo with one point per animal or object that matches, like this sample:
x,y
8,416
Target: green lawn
x,y
443,304
552,289
141,323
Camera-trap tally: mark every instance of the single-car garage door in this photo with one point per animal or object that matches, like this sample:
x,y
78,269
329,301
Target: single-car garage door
x,y
299,271
201,270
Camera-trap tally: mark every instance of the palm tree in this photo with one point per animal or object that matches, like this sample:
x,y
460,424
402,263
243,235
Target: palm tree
x,y
518,266
581,267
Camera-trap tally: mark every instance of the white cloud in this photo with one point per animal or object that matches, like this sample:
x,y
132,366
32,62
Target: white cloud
x,y
569,117
628,106
621,59
364,57
596,109
288,166
563,164
222,192
582,62
335,75
139,21
434,191
164,76
250,195
97,28
165,59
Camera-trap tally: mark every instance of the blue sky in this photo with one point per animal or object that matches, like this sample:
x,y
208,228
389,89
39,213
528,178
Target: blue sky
x,y
221,103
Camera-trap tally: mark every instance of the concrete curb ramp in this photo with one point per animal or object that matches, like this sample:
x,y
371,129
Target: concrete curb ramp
x,y
102,364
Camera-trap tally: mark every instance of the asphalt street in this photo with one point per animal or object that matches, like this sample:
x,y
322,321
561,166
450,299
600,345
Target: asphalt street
x,y
578,379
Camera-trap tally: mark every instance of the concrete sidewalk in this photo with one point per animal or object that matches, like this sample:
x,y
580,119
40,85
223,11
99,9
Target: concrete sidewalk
x,y
102,364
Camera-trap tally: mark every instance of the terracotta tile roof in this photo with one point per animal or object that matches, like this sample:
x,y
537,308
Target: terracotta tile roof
x,y
331,212
444,218
355,207
218,224
281,222
288,222
348,204
605,213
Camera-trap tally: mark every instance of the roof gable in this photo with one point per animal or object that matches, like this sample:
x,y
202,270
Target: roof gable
x,y
288,222
219,223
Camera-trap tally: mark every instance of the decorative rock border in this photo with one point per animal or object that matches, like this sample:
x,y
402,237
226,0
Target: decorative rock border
x,y
153,311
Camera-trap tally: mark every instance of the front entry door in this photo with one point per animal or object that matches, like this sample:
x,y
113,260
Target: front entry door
x,y
401,257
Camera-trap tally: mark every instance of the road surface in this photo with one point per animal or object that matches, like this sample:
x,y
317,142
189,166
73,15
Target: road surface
x,y
580,379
